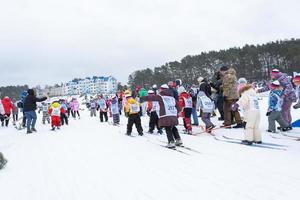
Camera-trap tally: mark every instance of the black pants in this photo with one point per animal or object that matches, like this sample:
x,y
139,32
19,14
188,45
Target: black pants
x,y
220,103
74,113
64,119
105,116
153,121
172,133
69,111
134,119
24,120
5,119
15,117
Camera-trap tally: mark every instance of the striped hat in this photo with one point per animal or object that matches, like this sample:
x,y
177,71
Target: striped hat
x,y
275,71
275,83
297,78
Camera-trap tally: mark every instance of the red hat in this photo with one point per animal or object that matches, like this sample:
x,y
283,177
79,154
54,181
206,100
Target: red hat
x,y
297,78
164,86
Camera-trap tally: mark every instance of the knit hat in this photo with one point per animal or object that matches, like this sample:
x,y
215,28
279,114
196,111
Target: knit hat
x,y
164,86
275,83
127,93
30,91
154,86
200,79
181,89
150,92
224,68
297,78
275,71
242,80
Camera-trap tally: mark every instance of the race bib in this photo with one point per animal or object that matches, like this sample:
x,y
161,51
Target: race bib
x,y
170,106
56,111
207,103
254,103
188,102
134,108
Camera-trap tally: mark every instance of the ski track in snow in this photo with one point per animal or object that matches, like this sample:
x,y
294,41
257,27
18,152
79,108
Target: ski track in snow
x,y
93,160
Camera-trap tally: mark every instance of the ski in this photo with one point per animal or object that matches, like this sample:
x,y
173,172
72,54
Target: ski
x,y
291,136
253,145
283,137
184,147
264,143
174,149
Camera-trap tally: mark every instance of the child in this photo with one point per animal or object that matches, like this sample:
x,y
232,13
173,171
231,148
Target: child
x,y
93,108
186,105
15,112
114,108
250,105
275,106
103,108
297,84
2,113
207,107
153,112
132,109
55,110
44,108
63,115
75,108
8,107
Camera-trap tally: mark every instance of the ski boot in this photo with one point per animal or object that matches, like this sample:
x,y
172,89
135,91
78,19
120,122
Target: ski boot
x,y
178,142
171,145
3,161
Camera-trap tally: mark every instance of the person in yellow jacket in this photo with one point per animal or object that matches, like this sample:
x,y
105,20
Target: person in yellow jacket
x,y
132,109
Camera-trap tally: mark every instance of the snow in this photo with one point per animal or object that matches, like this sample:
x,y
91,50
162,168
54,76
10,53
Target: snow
x,y
93,160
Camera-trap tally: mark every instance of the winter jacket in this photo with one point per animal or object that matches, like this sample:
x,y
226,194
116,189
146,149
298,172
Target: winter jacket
x,y
114,107
205,103
132,106
74,105
185,100
248,101
102,104
174,93
164,119
30,101
8,105
275,100
143,92
230,91
205,87
56,109
288,90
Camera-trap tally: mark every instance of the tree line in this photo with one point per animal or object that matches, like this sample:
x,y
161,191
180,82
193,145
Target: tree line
x,y
254,62
14,92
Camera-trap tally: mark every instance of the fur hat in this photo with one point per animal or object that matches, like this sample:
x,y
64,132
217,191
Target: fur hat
x,y
224,68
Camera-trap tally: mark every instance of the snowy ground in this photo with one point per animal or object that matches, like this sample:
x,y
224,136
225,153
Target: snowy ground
x,y
90,160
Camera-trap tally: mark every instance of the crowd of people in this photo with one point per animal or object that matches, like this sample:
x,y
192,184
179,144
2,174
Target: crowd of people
x,y
165,104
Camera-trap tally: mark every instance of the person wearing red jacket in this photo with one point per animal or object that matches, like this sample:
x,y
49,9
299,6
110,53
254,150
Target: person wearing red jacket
x,y
55,110
8,107
186,106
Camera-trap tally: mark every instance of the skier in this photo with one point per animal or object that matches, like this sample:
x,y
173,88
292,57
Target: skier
x,y
24,94
63,115
29,109
93,107
153,112
186,106
296,81
102,105
275,106
114,108
55,111
207,107
132,110
75,108
2,113
8,107
250,106
15,112
168,114
44,109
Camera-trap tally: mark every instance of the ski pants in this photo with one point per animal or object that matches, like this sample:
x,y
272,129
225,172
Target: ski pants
x,y
172,133
205,117
276,116
93,112
228,113
45,117
134,119
74,112
55,121
187,118
116,118
252,132
220,105
286,111
103,114
195,116
64,119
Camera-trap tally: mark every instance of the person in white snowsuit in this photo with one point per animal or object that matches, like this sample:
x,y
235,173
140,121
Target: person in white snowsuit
x,y
44,108
249,103
114,108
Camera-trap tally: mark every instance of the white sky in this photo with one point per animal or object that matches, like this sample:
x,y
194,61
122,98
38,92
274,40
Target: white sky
x,y
48,42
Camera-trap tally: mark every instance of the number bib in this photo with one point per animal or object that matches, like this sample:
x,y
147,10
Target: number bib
x,y
207,103
114,108
188,102
45,108
102,104
56,111
134,108
254,103
170,106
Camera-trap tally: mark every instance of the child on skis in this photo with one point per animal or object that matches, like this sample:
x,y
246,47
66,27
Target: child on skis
x,y
2,112
250,106
103,108
114,109
275,106
8,107
186,105
168,114
55,110
44,108
15,112
63,115
153,112
207,107
132,109
93,107
75,108
296,81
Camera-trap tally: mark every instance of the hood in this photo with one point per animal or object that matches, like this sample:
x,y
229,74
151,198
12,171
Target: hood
x,y
30,92
6,99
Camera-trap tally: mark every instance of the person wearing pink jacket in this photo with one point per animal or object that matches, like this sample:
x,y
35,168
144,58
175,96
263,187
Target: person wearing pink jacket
x,y
75,108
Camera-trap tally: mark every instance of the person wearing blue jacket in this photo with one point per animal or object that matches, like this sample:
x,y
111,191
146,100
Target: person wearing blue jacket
x,y
275,107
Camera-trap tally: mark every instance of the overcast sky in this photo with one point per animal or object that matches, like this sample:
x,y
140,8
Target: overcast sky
x,y
48,42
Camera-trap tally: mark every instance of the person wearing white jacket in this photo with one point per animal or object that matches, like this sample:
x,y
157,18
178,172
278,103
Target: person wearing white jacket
x,y
250,105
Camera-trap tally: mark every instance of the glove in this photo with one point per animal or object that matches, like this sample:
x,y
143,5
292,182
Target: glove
x,y
296,106
268,113
234,107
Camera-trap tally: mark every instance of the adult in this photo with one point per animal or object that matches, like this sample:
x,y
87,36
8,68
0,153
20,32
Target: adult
x,y
172,88
217,85
230,95
289,95
29,109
